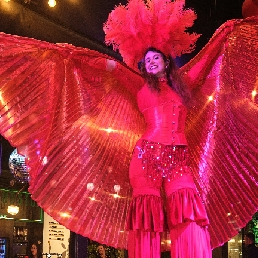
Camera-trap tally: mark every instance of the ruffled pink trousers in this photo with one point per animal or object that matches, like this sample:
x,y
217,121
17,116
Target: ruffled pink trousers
x,y
186,216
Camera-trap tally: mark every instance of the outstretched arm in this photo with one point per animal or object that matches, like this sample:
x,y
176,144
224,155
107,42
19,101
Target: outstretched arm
x,y
221,130
77,122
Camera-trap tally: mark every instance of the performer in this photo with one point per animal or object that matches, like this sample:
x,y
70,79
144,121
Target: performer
x,y
161,159
74,115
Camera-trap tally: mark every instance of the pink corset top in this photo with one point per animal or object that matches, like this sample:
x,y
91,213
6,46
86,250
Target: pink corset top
x,y
164,114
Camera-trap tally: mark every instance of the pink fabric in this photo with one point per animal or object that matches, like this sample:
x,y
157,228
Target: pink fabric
x,y
185,205
185,181
144,244
139,181
189,240
157,161
146,214
164,114
185,213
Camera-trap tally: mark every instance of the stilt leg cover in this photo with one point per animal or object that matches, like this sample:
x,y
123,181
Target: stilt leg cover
x,y
189,240
185,205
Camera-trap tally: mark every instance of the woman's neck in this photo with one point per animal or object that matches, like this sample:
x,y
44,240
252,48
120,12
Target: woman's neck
x,y
162,79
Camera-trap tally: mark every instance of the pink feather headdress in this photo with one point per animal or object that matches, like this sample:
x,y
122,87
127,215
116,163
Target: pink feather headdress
x,y
153,23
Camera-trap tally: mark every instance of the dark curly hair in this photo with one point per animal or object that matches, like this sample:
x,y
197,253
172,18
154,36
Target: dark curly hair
x,y
39,250
172,75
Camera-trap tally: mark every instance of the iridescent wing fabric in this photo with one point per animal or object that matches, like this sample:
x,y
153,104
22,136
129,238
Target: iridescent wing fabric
x,y
76,123
223,130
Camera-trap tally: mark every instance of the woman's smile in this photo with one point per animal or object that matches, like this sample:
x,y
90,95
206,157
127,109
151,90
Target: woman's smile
x,y
155,64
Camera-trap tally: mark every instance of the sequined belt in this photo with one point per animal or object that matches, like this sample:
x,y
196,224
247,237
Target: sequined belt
x,y
160,160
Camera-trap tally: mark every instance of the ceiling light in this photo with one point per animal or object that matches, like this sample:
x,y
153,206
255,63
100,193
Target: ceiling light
x,y
52,3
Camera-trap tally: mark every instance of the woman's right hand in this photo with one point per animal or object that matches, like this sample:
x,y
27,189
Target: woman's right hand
x,y
111,65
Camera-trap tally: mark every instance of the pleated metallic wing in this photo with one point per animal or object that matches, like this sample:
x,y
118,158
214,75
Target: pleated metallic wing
x,y
76,123
223,126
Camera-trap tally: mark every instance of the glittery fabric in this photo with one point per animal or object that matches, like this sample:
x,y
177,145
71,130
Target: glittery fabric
x,y
161,160
77,123
225,129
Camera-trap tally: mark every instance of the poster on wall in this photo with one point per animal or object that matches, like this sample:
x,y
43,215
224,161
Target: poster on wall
x,y
56,238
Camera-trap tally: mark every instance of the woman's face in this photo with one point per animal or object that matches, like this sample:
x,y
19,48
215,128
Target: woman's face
x,y
33,250
101,250
155,64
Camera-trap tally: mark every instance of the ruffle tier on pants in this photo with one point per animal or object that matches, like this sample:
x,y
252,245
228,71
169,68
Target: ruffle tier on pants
x,y
146,213
160,206
183,203
188,224
183,215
